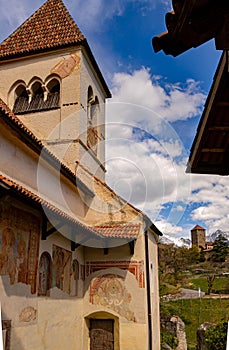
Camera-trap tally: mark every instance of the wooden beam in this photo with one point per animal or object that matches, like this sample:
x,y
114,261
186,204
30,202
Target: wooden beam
x,y
219,128
132,246
212,150
222,104
106,251
45,232
74,245
54,229
44,227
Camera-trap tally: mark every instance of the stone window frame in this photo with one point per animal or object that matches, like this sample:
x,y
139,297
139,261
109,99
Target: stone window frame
x,y
36,96
93,115
39,292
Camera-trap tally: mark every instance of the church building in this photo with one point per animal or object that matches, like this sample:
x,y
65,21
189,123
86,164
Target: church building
x,y
78,264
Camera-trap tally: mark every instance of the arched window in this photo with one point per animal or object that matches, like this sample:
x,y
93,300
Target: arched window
x,y
37,103
92,121
44,274
53,94
21,103
36,96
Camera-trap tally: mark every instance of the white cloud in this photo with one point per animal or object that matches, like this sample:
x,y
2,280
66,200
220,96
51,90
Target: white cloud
x,y
212,194
171,102
172,230
146,159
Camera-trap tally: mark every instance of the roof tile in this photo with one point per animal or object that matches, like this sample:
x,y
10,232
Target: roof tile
x,y
119,230
122,231
197,227
51,26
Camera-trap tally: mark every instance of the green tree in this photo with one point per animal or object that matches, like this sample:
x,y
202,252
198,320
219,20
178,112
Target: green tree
x,y
193,255
210,280
202,256
220,249
216,336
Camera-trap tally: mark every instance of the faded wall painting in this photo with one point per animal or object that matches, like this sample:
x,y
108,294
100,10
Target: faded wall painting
x,y
110,291
62,269
19,244
134,267
44,274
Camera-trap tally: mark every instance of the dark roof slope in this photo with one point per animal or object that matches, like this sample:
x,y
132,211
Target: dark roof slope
x,y
51,26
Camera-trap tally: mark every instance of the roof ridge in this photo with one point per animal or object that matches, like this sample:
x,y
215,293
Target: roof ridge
x,y
197,227
50,26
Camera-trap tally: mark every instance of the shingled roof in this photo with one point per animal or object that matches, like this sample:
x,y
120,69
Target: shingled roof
x,y
197,227
51,26
128,230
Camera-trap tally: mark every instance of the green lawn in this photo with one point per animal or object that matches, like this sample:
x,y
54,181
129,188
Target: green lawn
x,y
201,282
196,311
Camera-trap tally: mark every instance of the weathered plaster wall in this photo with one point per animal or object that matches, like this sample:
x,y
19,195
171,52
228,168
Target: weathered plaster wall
x,y
61,128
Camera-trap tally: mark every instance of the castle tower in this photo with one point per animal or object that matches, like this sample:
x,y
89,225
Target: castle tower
x,y
50,79
198,235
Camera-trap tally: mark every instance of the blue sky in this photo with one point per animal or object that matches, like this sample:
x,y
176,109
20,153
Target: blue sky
x,y
153,114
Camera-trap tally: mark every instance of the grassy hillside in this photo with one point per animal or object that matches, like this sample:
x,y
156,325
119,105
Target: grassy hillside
x,y
220,284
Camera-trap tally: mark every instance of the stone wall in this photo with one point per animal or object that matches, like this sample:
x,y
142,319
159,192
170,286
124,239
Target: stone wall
x,y
175,326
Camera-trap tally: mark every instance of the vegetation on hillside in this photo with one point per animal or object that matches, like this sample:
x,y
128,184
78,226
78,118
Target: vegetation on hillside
x,y
190,268
178,267
220,249
216,336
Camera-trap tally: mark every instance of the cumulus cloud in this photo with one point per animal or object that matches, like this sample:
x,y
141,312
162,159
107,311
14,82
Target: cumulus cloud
x,y
211,194
165,226
171,102
146,160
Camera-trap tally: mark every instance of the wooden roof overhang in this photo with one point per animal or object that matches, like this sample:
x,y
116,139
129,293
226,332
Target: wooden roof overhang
x,y
210,150
192,23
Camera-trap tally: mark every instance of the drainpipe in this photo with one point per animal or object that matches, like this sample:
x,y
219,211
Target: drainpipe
x,y
150,340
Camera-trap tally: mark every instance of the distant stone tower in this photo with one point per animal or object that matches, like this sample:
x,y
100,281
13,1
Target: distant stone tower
x,y
198,237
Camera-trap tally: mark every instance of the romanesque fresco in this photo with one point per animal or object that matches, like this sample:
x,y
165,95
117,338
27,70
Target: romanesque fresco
x,y
19,244
62,269
134,267
110,291
44,274
65,67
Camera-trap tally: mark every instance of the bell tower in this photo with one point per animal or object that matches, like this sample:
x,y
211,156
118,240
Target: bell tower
x,y
51,81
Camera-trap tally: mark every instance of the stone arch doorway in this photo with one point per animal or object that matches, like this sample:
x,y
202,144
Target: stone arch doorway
x,y
103,331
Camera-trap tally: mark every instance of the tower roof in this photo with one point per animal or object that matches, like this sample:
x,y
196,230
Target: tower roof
x,y
51,26
197,227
